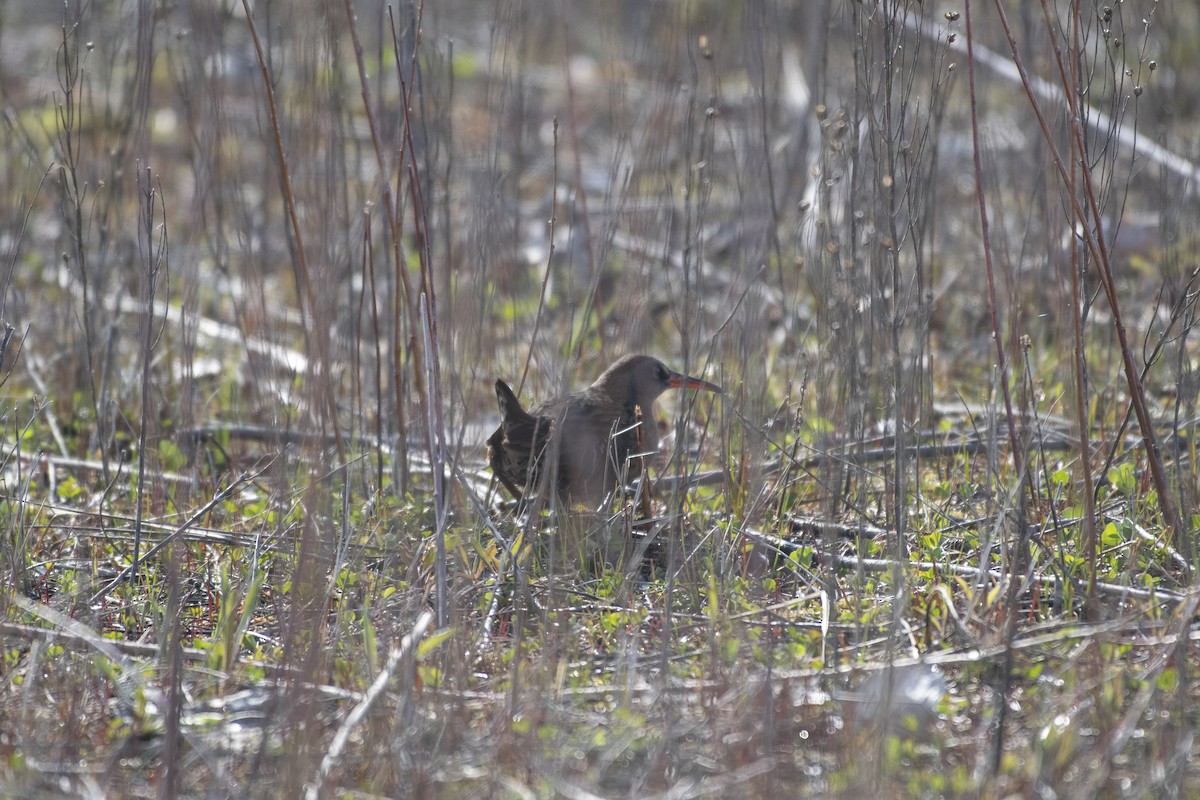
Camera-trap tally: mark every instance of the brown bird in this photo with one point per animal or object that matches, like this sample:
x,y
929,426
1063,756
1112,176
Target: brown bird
x,y
591,439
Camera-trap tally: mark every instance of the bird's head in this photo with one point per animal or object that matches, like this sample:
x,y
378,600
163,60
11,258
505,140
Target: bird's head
x,y
643,378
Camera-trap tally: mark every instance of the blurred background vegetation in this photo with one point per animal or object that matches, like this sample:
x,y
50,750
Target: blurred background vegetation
x,y
261,263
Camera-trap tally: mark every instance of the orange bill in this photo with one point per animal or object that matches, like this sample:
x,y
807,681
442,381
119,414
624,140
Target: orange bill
x,y
681,381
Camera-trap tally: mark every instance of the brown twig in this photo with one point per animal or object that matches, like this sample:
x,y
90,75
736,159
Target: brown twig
x,y
1094,239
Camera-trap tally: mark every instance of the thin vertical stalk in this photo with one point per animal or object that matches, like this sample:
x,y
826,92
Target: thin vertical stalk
x,y
433,421
1094,238
985,236
1079,362
155,259
1017,564
403,292
304,288
541,309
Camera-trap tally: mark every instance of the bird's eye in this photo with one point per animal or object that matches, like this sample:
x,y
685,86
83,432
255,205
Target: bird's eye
x,y
662,373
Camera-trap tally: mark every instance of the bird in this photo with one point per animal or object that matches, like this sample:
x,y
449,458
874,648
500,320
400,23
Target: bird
x,y
587,442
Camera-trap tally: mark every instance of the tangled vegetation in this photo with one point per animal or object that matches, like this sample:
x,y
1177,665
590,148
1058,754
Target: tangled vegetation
x,y
262,264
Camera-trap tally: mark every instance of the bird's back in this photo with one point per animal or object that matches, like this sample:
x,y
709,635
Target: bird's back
x,y
594,437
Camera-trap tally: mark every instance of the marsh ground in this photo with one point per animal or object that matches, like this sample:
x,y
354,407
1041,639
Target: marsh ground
x,y
261,263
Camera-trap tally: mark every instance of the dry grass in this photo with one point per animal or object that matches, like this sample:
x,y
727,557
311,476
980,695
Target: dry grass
x,y
261,264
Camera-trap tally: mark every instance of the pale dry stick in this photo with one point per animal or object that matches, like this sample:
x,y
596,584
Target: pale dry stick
x,y
790,460
1155,542
5,341
75,637
71,634
573,792
1112,590
1091,550
300,262
435,431
1097,120
123,470
591,304
398,654
219,497
51,418
985,235
376,339
519,789
725,783
974,654
74,629
70,74
537,317
1022,560
15,251
156,262
198,535
283,357
415,191
433,397
429,330
1133,720
509,563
